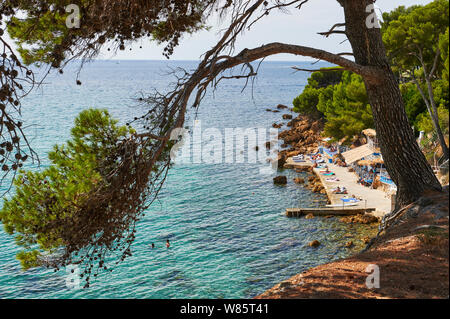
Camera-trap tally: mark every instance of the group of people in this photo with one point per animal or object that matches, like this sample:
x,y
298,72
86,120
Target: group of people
x,y
332,149
167,244
316,159
367,175
367,180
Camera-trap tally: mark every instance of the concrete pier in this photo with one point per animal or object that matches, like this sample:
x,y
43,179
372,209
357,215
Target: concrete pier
x,y
374,200
328,211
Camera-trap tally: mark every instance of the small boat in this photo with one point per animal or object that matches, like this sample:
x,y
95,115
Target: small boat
x,y
340,205
350,200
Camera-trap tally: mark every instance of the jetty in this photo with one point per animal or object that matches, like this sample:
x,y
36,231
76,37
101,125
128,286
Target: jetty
x,y
327,211
374,201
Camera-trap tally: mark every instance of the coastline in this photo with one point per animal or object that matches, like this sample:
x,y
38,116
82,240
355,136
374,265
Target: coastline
x,y
372,198
426,253
303,136
412,257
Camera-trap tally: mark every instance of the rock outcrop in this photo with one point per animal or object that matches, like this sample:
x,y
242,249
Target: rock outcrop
x,y
275,125
314,243
303,135
413,254
360,219
280,180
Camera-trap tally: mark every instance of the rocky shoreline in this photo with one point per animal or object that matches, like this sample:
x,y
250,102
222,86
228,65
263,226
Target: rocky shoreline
x,y
412,257
420,237
302,137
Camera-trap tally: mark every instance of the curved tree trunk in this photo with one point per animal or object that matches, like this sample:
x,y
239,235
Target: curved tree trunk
x,y
433,112
435,120
404,160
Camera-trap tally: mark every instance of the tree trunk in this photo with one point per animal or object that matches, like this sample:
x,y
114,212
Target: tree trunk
x,y
435,119
404,160
432,110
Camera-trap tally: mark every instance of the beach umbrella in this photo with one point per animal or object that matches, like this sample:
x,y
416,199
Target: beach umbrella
x,y
377,161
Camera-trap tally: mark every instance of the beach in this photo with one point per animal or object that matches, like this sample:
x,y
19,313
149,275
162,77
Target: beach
x,y
371,198
411,258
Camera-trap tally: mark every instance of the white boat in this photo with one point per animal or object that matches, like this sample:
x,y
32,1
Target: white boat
x,y
345,205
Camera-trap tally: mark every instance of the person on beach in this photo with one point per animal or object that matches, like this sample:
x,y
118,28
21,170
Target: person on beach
x,y
168,244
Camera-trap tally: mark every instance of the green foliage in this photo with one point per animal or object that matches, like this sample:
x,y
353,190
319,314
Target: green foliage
x,y
394,15
326,78
415,106
42,36
347,111
38,37
425,124
413,34
416,109
306,103
57,192
444,47
441,93
407,32
414,103
318,82
340,97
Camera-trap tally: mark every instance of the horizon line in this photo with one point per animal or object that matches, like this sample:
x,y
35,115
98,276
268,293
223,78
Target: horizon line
x,y
191,60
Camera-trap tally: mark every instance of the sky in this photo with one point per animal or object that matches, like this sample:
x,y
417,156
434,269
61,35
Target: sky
x,y
299,27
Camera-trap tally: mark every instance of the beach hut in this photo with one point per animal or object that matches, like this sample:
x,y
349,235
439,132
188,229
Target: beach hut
x,y
371,136
357,154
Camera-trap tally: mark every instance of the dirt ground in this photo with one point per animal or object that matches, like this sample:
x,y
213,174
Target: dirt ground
x,y
412,256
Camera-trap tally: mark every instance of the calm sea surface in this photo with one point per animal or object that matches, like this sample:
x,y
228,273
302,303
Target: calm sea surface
x,y
229,237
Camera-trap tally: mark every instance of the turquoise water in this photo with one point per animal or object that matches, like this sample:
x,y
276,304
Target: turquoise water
x,y
229,237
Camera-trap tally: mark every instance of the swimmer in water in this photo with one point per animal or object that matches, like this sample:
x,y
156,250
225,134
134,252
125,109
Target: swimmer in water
x,y
153,246
168,244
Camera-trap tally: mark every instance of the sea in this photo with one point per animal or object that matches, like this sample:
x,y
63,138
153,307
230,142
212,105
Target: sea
x,y
225,221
